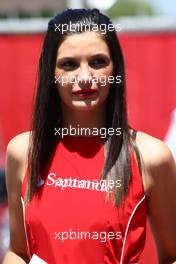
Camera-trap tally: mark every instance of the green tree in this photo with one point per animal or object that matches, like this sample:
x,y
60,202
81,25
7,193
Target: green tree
x,y
130,8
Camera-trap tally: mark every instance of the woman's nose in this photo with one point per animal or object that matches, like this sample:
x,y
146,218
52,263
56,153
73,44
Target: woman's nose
x,y
84,77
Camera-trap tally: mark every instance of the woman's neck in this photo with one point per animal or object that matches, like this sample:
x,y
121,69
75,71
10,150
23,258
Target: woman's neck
x,y
95,118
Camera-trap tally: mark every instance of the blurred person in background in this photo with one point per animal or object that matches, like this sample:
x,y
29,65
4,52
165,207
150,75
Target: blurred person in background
x,y
4,221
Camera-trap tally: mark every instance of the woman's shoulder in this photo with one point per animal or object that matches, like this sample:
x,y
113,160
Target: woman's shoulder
x,y
157,159
153,150
18,145
17,152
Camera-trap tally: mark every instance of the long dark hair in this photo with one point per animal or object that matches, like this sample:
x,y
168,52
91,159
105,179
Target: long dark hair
x,y
47,109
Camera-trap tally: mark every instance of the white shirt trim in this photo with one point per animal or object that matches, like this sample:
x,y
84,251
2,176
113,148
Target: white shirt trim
x,y
128,225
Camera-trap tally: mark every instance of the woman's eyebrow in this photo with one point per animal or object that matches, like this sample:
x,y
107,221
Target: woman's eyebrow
x,y
100,54
77,57
66,58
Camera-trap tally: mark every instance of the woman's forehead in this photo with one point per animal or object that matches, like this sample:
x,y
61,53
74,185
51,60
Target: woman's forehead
x,y
86,42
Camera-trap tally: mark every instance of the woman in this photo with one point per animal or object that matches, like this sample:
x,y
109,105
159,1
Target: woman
x,y
84,198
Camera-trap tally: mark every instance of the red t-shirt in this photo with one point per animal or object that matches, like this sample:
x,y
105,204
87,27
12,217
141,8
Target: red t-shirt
x,y
69,220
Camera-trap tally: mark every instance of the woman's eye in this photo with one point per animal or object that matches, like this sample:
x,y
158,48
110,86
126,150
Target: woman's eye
x,y
98,63
69,65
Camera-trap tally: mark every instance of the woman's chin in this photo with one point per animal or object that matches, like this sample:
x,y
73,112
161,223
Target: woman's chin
x,y
84,105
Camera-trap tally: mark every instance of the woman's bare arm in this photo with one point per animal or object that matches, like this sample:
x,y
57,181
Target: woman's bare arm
x,y
11,257
14,169
162,197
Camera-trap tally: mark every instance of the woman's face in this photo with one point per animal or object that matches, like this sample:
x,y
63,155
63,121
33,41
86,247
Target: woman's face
x,y
83,65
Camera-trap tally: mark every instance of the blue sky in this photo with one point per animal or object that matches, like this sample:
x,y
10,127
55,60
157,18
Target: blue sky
x,y
163,7
167,7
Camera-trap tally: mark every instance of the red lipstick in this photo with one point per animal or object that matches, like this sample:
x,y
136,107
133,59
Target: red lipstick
x,y
86,92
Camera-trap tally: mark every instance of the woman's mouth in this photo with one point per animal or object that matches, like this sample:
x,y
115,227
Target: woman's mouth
x,y
85,93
